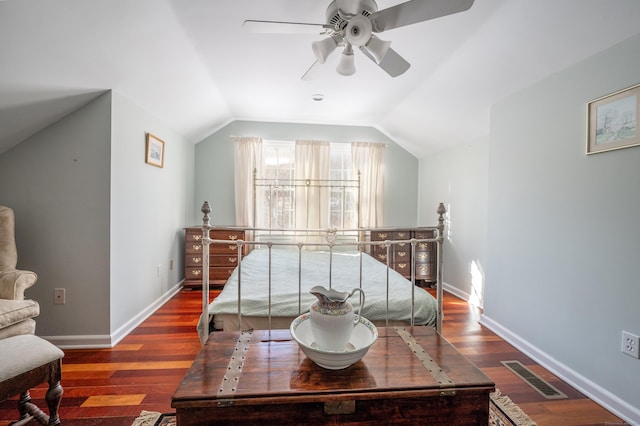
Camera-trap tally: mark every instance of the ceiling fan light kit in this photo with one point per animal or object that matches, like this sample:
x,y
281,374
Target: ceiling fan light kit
x,y
347,66
377,48
353,22
323,48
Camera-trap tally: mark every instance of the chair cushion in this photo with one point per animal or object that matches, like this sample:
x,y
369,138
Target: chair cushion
x,y
27,326
15,311
20,354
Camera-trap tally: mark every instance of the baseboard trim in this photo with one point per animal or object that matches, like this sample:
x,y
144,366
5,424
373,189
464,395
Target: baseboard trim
x,y
101,341
80,341
595,392
455,291
130,325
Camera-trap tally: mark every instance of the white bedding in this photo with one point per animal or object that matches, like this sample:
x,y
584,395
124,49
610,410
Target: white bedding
x,y
315,271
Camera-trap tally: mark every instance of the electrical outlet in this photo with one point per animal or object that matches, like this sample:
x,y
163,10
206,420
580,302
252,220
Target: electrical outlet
x,y
630,344
171,265
59,296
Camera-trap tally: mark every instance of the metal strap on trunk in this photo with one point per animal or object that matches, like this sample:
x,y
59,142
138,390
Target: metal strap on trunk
x,y
230,380
427,361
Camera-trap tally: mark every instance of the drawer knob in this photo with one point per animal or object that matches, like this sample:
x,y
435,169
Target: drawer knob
x,y
197,237
402,253
232,247
196,247
196,260
233,237
382,235
196,272
232,260
402,265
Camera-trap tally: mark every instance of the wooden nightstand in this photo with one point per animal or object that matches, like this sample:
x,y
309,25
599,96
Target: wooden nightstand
x,y
400,254
223,258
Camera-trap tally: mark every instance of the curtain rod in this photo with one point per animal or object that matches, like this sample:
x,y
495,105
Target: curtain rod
x,y
289,140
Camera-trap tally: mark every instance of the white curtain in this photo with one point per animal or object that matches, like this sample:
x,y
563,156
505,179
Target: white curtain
x,y
368,158
247,158
312,161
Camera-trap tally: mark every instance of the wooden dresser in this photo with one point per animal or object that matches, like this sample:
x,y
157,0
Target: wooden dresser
x,y
400,254
223,258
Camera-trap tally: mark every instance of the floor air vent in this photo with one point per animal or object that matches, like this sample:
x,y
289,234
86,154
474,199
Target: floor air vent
x,y
534,380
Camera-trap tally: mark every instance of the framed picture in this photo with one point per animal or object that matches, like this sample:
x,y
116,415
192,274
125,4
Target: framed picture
x,y
613,121
155,151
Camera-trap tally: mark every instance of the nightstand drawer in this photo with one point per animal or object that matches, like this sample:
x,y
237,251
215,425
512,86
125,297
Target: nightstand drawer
x,y
220,274
222,260
424,271
423,256
403,267
193,247
193,260
421,235
402,255
222,248
226,234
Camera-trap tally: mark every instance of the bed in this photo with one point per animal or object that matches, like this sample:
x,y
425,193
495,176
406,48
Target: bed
x,y
290,295
276,269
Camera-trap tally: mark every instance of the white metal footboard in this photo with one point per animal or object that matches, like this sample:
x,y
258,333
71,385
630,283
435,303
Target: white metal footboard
x,y
331,243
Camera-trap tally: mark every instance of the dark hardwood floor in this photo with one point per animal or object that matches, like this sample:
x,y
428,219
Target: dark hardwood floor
x,y
112,386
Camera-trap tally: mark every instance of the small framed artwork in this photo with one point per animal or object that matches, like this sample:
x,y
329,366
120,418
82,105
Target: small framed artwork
x,y
613,121
155,151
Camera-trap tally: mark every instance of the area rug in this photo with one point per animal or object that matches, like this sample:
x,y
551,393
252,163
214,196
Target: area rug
x,y
502,412
152,418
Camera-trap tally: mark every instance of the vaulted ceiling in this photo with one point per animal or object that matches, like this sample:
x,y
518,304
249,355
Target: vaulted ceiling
x,y
193,65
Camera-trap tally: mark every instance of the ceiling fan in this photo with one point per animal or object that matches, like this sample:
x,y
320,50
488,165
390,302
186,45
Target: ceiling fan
x,y
352,23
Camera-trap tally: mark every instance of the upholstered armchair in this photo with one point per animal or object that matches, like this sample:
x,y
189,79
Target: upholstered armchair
x,y
16,312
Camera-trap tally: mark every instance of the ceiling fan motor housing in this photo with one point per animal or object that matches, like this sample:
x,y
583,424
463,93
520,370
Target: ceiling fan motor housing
x,y
340,21
358,31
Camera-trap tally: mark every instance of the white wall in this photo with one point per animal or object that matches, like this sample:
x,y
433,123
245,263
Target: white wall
x,y
94,218
563,231
57,182
214,167
149,209
458,178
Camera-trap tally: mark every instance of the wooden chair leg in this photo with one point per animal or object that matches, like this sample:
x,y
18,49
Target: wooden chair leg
x,y
25,399
53,398
29,410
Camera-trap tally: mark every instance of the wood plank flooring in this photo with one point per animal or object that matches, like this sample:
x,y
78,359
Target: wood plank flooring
x,y
111,386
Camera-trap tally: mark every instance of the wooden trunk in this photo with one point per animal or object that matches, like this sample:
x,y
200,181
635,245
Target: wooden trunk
x,y
272,381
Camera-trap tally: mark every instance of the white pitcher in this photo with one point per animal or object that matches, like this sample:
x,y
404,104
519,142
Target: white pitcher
x,y
332,318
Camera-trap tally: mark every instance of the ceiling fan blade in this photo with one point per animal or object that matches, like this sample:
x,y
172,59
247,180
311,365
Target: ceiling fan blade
x,y
414,11
277,27
392,63
349,7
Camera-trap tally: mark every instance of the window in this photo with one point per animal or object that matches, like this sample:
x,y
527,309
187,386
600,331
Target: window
x,y
285,199
343,201
278,168
278,194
